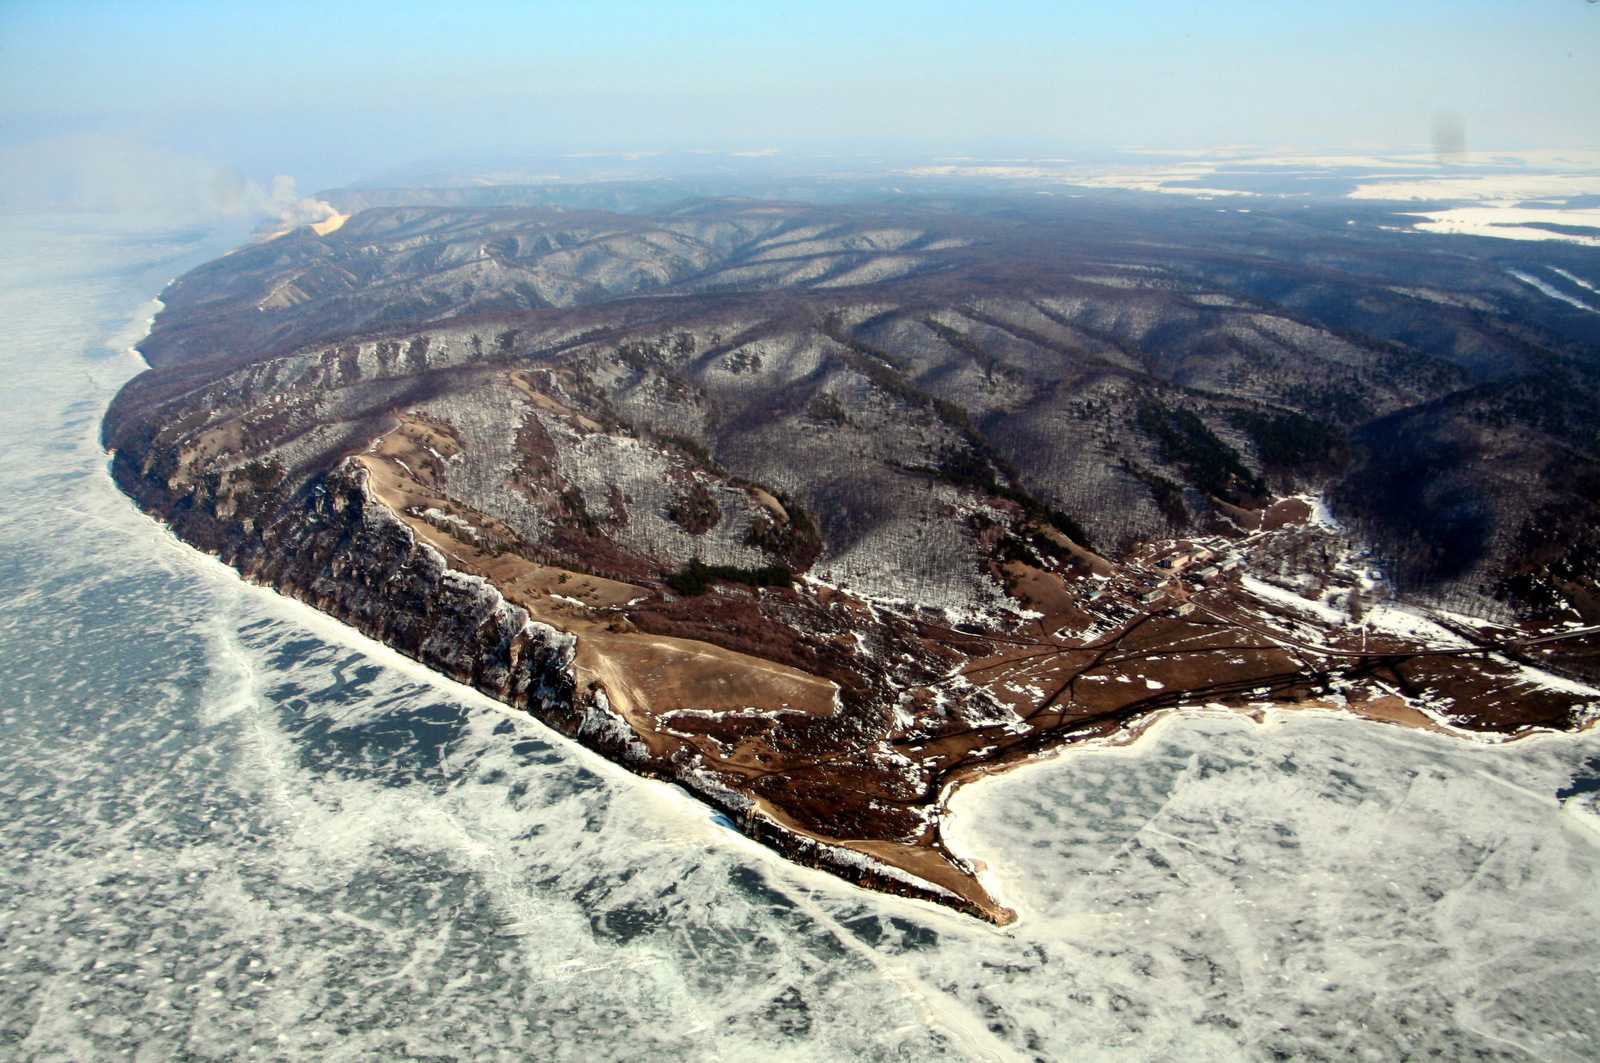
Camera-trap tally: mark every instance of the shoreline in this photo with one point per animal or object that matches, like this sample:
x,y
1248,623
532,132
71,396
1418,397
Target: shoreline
x,y
476,502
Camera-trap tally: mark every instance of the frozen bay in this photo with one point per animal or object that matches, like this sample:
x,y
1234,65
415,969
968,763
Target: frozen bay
x,y
233,829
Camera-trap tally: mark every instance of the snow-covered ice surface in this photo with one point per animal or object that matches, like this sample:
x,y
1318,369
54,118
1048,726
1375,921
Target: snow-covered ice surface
x,y
231,829
1512,205
1313,889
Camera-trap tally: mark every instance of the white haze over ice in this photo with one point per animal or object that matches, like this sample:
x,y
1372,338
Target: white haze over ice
x,y
231,829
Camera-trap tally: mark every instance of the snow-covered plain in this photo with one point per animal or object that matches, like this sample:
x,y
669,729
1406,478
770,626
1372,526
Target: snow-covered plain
x,y
232,829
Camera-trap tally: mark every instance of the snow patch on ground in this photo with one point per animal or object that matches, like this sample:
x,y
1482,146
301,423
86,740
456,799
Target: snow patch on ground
x,y
1539,677
1395,618
1545,288
1579,281
1283,596
1321,515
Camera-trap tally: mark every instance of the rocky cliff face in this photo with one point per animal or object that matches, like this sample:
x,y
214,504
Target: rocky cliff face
x,y
822,512
330,545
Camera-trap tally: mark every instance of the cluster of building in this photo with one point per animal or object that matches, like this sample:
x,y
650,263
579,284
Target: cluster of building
x,y
1176,572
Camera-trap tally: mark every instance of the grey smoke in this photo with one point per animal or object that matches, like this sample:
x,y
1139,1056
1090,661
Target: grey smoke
x,y
122,172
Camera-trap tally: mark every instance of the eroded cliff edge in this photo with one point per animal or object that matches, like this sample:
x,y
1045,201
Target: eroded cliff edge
x,y
800,508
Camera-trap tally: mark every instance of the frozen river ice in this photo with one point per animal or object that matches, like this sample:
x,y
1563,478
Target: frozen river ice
x,y
233,829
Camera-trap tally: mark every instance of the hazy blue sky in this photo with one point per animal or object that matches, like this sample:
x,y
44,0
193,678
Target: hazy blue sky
x,y
330,91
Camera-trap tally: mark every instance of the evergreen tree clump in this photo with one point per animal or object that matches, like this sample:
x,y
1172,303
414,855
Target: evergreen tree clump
x,y
1186,443
1290,440
696,577
696,509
